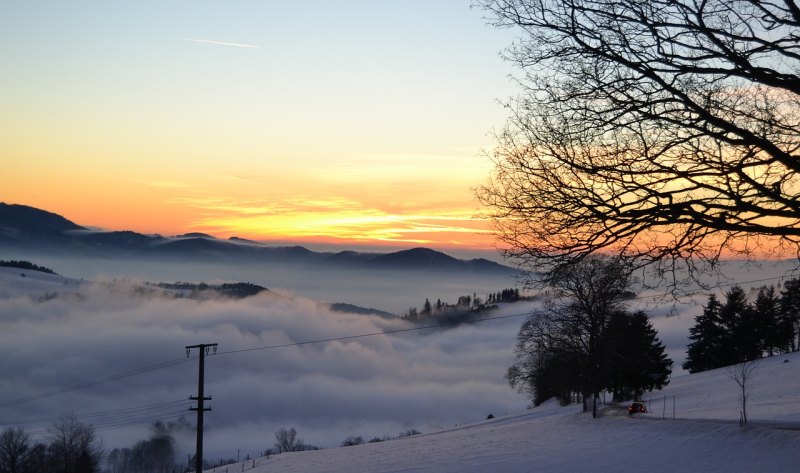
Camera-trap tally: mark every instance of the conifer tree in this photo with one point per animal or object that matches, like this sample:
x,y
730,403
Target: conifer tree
x,y
736,326
637,361
790,314
767,318
706,338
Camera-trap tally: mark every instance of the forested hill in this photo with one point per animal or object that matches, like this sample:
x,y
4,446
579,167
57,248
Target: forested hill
x,y
24,228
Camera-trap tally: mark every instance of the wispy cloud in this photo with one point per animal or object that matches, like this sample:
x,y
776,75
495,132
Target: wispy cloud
x,y
335,217
221,43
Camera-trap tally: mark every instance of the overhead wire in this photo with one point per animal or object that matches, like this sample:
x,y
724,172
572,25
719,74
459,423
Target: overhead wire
x,y
95,382
101,415
125,423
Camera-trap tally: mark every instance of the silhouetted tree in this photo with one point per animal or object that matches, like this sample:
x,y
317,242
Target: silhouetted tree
x,y
15,451
427,310
706,339
737,331
286,440
664,129
766,321
352,441
637,360
790,313
69,439
569,346
738,343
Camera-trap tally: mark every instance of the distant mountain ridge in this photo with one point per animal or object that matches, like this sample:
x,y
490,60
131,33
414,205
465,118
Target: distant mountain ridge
x,y
29,228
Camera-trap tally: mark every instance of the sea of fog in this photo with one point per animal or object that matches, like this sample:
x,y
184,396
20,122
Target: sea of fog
x,y
391,291
96,323
94,342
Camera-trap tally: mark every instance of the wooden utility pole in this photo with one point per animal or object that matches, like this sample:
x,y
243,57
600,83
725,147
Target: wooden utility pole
x,y
204,350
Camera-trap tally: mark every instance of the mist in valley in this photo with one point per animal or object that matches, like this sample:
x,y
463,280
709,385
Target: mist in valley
x,y
102,319
393,291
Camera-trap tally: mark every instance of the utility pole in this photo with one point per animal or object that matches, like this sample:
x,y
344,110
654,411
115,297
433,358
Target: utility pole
x,y
204,350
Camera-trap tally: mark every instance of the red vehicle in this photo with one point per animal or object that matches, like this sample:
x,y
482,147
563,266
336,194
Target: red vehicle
x,y
636,407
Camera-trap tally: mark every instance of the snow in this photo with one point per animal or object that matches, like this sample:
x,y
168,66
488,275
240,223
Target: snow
x,y
16,281
705,436
569,442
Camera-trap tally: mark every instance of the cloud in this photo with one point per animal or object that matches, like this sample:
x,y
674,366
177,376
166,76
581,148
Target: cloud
x,y
372,386
333,217
221,43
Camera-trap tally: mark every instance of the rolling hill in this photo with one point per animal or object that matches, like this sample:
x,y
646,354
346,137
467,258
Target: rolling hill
x,y
30,229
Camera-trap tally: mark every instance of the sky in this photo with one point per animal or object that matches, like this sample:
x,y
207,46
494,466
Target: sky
x,y
348,122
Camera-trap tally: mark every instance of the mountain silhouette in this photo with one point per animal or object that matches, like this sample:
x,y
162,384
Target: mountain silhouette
x,y
30,220
24,227
30,226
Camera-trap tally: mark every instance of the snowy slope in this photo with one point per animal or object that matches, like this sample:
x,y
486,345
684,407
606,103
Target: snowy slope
x,y
705,437
774,394
16,281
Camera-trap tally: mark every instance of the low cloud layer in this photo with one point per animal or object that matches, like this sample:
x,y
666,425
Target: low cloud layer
x,y
372,386
369,386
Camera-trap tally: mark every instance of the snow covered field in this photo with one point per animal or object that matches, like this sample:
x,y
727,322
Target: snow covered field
x,y
705,437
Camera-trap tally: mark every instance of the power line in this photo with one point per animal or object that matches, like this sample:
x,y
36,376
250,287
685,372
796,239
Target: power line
x,y
127,422
87,384
107,414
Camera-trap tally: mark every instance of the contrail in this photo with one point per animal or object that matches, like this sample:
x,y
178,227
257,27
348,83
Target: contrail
x,y
238,45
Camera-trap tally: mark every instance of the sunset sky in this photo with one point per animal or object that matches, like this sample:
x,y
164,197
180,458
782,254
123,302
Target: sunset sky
x,y
354,122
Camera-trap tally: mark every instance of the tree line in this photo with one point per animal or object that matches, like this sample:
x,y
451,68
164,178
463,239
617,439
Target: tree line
x,y
585,341
72,446
69,447
465,307
737,330
26,265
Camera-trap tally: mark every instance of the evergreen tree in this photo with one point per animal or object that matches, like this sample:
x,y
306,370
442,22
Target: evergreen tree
x,y
637,361
426,309
706,338
790,314
767,320
735,320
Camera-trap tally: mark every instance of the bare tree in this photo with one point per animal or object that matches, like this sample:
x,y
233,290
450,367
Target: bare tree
x,y
742,374
15,450
287,441
664,130
73,444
